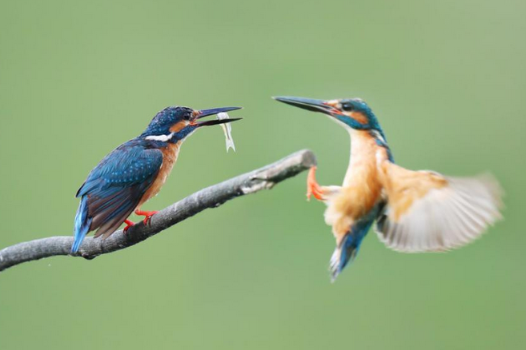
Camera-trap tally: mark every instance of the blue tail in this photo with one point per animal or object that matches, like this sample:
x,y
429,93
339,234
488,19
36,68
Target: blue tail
x,y
82,224
348,248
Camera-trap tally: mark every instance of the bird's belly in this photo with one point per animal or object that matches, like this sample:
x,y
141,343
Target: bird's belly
x,y
169,157
354,201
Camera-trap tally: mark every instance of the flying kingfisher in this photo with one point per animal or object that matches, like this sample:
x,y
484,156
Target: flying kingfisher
x,y
135,172
415,211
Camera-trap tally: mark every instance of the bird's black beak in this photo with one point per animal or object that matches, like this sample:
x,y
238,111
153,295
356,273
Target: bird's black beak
x,y
309,104
206,112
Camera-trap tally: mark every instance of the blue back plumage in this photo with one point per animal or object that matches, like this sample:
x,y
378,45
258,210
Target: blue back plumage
x,y
82,224
115,187
131,163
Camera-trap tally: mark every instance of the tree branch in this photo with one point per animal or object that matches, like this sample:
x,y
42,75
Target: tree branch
x,y
210,197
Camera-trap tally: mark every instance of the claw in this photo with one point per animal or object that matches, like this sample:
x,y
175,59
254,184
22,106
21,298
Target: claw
x,y
147,215
128,225
313,189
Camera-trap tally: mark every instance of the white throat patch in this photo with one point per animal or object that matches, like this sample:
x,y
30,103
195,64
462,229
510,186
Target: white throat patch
x,y
162,138
379,136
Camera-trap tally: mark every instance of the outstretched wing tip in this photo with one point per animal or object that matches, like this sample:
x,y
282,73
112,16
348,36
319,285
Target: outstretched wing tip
x,y
420,217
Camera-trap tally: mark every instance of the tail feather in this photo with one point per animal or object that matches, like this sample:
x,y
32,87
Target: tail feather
x,y
82,224
348,248
344,254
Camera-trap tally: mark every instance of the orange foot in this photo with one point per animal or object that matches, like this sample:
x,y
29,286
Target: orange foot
x,y
128,225
147,215
313,189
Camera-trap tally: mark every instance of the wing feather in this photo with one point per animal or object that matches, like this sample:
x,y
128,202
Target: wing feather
x,y
429,212
116,186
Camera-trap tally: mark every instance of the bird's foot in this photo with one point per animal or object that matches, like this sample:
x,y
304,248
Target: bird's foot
x,y
147,215
313,188
128,225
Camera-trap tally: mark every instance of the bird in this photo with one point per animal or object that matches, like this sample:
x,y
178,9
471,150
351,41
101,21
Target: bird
x,y
414,211
135,171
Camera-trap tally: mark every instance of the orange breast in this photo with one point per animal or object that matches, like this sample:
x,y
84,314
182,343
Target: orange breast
x,y
361,189
169,157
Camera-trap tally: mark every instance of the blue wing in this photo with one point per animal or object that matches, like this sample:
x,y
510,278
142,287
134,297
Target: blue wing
x,y
115,187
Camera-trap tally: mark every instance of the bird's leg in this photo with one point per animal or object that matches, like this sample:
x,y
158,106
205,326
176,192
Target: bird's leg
x,y
147,215
128,225
313,188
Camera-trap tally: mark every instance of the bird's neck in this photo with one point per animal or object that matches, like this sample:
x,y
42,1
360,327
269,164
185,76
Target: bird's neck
x,y
362,163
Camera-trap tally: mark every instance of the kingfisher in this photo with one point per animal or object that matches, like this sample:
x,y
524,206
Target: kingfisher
x,y
135,171
415,211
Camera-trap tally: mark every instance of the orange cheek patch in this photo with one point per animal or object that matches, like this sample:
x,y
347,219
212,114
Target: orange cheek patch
x,y
359,117
178,126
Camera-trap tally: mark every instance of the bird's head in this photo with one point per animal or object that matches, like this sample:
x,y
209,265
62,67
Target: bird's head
x,y
353,113
173,124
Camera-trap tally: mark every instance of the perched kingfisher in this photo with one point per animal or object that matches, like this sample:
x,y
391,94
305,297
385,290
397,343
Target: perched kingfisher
x,y
135,172
415,211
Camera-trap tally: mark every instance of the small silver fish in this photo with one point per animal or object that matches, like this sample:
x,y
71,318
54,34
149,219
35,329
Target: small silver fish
x,y
227,129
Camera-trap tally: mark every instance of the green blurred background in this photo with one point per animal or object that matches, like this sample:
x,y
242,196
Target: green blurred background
x,y
446,79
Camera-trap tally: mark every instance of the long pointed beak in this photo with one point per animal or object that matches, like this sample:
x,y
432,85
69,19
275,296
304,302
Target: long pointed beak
x,y
206,112
309,104
217,121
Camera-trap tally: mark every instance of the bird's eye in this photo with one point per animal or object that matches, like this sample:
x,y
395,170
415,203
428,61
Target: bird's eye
x,y
347,107
187,116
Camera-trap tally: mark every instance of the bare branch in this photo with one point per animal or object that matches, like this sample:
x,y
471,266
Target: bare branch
x,y
210,197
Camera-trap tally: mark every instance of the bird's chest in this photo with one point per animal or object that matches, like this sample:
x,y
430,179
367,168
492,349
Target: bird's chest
x,y
362,165
170,154
361,190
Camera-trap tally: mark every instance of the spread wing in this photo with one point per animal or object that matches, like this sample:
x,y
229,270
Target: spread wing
x,y
115,187
427,211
